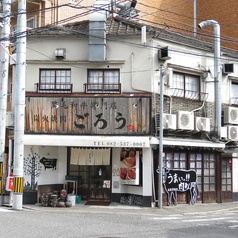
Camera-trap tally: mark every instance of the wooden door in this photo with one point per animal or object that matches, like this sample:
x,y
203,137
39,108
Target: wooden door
x,y
226,180
100,182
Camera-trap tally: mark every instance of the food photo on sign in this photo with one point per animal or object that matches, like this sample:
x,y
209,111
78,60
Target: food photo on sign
x,y
129,166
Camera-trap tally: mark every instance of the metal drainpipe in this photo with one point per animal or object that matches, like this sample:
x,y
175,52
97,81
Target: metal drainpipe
x,y
195,16
217,73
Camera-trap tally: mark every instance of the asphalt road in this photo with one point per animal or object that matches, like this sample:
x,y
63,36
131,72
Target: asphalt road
x,y
98,224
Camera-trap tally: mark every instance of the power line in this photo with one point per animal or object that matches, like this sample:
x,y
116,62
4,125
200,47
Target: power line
x,y
115,39
227,39
21,34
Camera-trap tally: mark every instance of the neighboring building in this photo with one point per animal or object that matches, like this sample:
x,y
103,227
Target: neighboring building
x,y
179,16
92,106
41,13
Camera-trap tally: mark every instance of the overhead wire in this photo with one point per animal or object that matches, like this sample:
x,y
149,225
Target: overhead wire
x,y
123,42
229,39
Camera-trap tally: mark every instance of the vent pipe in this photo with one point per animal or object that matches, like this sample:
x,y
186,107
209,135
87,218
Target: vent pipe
x,y
217,73
97,30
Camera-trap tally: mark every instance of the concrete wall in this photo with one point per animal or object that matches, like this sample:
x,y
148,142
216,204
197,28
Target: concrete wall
x,y
40,54
46,176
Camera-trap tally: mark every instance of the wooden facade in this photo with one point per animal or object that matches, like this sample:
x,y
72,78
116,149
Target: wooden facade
x,y
88,115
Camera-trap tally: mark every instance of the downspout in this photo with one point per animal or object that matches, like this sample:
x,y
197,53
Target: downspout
x,y
217,74
195,16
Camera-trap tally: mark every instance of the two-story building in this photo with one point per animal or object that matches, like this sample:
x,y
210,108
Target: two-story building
x,y
92,110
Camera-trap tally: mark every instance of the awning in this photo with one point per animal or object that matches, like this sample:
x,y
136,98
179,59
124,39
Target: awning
x,y
190,143
87,141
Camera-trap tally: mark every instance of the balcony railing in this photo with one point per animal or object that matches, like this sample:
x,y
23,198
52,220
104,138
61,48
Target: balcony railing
x,y
188,94
54,88
102,88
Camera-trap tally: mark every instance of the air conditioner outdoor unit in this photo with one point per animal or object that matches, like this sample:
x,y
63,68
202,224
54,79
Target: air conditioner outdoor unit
x,y
202,124
223,132
185,120
10,118
169,121
230,115
232,132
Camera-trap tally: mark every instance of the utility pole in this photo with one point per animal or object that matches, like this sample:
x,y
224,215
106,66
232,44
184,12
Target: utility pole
x,y
18,180
3,87
161,135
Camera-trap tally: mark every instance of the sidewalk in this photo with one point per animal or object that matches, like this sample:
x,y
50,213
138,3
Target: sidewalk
x,y
179,210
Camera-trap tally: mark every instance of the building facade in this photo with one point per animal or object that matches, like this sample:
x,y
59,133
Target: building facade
x,y
184,16
93,108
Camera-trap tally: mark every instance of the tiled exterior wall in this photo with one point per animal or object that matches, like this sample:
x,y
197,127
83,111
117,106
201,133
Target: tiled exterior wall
x,y
54,14
179,14
67,14
179,104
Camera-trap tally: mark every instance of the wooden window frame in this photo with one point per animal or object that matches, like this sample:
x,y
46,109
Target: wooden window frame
x,y
187,93
209,175
103,87
175,160
54,87
224,171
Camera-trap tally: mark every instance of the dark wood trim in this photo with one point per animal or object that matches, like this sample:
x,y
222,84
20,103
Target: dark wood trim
x,y
218,178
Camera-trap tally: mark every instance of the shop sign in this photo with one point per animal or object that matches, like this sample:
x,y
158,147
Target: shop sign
x,y
125,143
176,180
88,115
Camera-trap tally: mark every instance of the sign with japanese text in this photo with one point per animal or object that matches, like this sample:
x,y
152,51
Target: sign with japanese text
x,y
179,180
88,115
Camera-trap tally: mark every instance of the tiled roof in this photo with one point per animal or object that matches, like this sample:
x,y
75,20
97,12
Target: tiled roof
x,y
119,26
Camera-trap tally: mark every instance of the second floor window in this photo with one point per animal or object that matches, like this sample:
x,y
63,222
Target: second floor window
x,y
55,80
187,86
103,80
234,93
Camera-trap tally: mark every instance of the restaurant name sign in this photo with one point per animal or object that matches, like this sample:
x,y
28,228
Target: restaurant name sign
x,y
91,115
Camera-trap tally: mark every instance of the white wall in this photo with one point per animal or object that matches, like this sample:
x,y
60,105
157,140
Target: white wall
x,y
40,54
47,176
146,188
235,174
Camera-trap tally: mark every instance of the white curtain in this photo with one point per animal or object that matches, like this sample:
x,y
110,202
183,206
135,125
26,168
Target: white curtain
x,y
74,156
106,156
98,156
77,156
81,157
89,154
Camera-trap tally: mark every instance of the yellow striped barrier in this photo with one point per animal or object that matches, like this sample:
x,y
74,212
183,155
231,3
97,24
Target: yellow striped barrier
x,y
18,184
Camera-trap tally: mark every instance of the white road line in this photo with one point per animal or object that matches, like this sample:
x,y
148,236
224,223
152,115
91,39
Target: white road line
x,y
5,210
208,219
166,218
233,227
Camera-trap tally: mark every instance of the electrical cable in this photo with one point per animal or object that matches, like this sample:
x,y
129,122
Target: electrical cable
x,y
81,14
19,34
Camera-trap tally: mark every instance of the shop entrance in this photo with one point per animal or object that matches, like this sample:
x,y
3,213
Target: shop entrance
x,y
94,182
94,178
213,177
100,183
